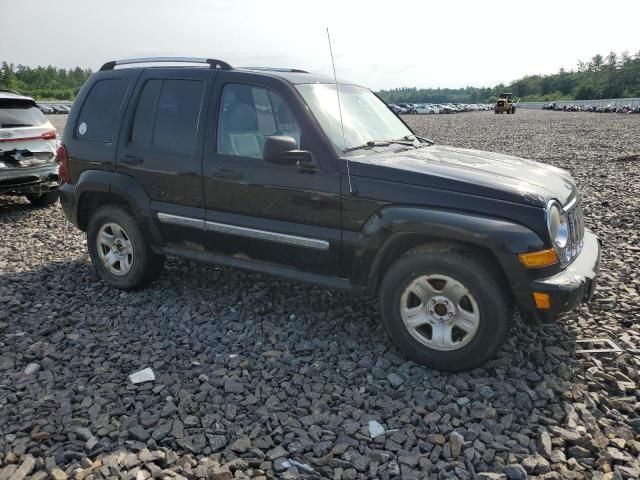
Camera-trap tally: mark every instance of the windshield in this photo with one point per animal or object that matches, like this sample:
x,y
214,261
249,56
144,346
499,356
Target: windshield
x,y
366,118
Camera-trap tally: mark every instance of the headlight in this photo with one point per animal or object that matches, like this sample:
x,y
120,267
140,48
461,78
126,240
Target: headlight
x,y
558,225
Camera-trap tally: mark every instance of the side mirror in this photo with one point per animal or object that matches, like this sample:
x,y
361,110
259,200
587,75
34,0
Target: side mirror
x,y
283,150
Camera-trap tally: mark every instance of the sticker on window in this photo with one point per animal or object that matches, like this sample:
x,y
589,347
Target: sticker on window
x,y
82,128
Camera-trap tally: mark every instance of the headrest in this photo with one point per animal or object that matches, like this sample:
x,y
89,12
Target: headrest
x,y
242,117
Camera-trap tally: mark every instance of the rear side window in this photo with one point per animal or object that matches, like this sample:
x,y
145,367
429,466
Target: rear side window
x,y
20,113
99,113
168,113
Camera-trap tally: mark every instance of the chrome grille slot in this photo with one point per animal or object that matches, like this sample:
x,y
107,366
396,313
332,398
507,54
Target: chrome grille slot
x,y
576,228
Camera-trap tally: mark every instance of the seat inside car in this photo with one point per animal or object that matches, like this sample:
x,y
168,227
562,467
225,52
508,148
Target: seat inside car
x,y
241,135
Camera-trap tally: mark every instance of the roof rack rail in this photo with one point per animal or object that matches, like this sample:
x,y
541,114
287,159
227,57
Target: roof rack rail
x,y
275,69
213,63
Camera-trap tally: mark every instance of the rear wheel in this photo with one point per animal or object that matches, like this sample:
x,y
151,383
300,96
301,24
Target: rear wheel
x,y
444,308
43,199
118,250
513,110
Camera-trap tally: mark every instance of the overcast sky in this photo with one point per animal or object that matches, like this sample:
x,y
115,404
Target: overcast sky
x,y
379,44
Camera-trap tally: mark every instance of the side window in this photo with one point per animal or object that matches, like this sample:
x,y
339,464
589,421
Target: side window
x,y
168,114
97,118
142,130
247,116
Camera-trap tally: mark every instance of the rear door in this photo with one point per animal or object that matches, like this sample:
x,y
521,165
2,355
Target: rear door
x,y
161,147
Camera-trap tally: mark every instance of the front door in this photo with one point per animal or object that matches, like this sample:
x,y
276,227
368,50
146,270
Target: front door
x,y
257,210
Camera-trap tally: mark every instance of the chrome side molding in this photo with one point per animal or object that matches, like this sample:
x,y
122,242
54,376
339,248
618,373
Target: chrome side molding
x,y
255,233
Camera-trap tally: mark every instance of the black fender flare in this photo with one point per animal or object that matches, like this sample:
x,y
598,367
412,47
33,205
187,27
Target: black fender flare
x,y
127,190
504,238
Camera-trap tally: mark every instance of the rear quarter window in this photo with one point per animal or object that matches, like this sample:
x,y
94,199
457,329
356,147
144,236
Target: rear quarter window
x,y
20,113
99,113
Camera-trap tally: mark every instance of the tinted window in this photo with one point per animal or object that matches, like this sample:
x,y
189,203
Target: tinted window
x,y
20,113
98,116
177,115
142,130
249,114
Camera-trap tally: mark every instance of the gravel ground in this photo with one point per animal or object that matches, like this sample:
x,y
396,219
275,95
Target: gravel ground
x,y
257,377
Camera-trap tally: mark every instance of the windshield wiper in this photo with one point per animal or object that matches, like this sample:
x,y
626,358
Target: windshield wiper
x,y
379,143
416,137
369,144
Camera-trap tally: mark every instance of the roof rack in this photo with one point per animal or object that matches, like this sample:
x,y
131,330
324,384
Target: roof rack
x,y
275,69
213,63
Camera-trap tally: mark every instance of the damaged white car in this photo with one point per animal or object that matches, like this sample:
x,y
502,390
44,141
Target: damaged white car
x,y
28,145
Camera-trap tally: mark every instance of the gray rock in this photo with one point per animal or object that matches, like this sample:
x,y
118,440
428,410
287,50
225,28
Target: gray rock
x,y
231,386
515,472
241,445
32,368
456,442
395,380
277,452
139,433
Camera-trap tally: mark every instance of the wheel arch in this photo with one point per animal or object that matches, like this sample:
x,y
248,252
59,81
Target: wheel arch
x,y
96,188
392,231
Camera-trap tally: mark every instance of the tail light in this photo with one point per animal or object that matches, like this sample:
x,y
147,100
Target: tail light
x,y
49,135
63,160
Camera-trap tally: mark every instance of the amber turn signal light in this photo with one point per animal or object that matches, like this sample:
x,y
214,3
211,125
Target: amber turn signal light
x,y
542,258
543,302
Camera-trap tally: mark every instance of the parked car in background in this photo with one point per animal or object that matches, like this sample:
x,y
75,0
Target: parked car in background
x,y
44,108
28,144
407,107
426,109
58,109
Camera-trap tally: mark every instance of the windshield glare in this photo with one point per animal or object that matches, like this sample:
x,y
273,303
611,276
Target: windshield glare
x,y
364,115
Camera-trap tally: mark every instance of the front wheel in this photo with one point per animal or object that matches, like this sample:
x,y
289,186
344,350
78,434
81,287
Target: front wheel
x,y
445,308
118,250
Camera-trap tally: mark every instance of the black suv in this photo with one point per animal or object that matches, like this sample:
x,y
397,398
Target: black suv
x,y
284,172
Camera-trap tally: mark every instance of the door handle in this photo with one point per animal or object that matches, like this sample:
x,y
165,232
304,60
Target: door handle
x,y
132,160
224,173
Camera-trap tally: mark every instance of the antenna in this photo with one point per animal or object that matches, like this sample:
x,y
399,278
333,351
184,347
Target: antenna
x,y
344,140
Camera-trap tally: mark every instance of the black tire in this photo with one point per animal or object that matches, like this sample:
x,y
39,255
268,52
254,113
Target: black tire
x,y
513,110
479,278
145,264
43,199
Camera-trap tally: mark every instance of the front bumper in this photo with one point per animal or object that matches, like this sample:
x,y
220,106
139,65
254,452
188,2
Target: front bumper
x,y
40,179
572,286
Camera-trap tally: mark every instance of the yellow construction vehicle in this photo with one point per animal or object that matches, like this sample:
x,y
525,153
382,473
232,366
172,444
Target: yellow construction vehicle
x,y
505,104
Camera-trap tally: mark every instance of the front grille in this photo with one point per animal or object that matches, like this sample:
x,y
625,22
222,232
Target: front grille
x,y
576,228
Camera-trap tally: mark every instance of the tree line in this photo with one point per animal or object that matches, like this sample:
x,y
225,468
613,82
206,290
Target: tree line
x,y
43,82
612,76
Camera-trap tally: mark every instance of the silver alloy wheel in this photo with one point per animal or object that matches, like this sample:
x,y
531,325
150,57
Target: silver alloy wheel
x,y
440,312
115,249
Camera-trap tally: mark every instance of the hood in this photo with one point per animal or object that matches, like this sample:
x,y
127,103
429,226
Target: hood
x,y
472,172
